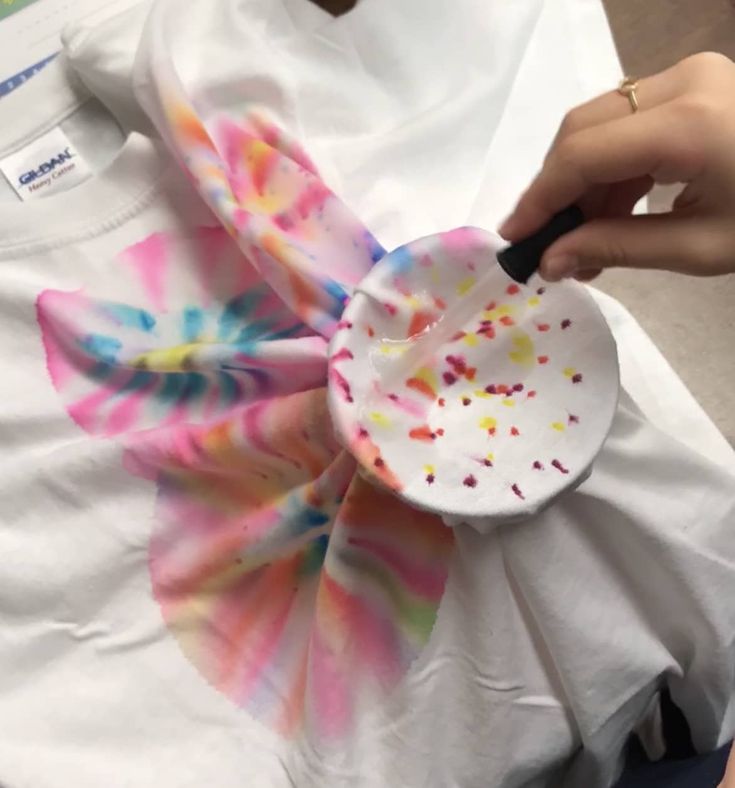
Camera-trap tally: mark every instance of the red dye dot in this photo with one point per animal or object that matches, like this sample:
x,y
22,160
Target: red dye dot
x,y
541,291
379,462
470,481
466,401
573,419
486,322
442,402
491,389
513,290
451,360
440,432
394,397
350,398
491,431
577,378
543,327
507,320
489,307
458,336
531,394
344,324
470,373
487,463
430,478
509,393
538,466
517,490
514,431
391,309
559,466
543,359
440,303
362,432
566,323
502,388
343,354
518,387
449,378
370,331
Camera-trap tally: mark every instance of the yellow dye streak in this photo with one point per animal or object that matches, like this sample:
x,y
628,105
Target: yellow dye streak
x,y
466,285
168,359
380,418
509,403
558,426
482,394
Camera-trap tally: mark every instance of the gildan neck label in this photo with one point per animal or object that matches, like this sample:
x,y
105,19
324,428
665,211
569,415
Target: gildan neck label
x,y
48,165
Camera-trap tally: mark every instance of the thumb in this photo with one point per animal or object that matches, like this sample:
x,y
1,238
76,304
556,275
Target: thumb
x,y
684,244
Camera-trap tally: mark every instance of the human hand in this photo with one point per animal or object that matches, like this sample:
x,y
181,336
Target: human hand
x,y
605,158
728,781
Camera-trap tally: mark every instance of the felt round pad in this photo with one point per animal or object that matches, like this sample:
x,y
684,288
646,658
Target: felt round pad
x,y
465,393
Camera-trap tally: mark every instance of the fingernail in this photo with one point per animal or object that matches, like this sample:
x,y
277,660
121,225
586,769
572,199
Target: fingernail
x,y
505,225
559,267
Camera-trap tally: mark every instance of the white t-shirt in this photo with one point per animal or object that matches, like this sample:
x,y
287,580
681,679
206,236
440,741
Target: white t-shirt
x,y
197,589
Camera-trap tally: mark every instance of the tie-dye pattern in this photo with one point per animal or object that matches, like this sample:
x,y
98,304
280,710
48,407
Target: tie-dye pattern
x,y
295,587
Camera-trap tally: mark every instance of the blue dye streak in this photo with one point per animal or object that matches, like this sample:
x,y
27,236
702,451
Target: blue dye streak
x,y
130,317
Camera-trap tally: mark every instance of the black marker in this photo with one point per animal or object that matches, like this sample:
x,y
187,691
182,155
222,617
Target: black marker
x,y
521,260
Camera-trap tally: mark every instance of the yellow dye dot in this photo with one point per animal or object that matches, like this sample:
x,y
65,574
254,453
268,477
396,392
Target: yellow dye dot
x,y
482,394
413,302
523,352
380,419
470,339
508,402
466,285
558,426
434,275
490,456
429,469
570,372
488,423
534,301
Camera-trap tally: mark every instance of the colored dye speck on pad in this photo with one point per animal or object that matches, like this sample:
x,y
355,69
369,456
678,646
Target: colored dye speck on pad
x,y
465,394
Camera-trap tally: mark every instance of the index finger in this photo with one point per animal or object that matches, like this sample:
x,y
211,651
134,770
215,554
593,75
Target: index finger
x,y
655,143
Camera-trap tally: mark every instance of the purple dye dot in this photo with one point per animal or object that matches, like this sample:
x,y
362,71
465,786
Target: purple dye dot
x,y
577,378
363,433
430,478
518,387
517,490
394,397
470,481
566,323
538,466
487,463
559,466
541,291
449,378
379,462
466,401
491,389
573,419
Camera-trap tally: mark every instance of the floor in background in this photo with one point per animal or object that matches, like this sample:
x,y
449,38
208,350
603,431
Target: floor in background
x,y
691,320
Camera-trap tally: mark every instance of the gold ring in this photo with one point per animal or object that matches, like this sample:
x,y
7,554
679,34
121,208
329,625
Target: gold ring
x,y
627,88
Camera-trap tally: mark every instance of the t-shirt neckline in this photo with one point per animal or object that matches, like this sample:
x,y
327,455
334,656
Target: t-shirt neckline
x,y
100,201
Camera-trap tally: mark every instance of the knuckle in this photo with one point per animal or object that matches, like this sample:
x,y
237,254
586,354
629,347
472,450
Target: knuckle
x,y
703,64
570,123
568,151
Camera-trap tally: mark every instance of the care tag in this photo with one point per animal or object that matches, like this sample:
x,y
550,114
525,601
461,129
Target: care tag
x,y
48,165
